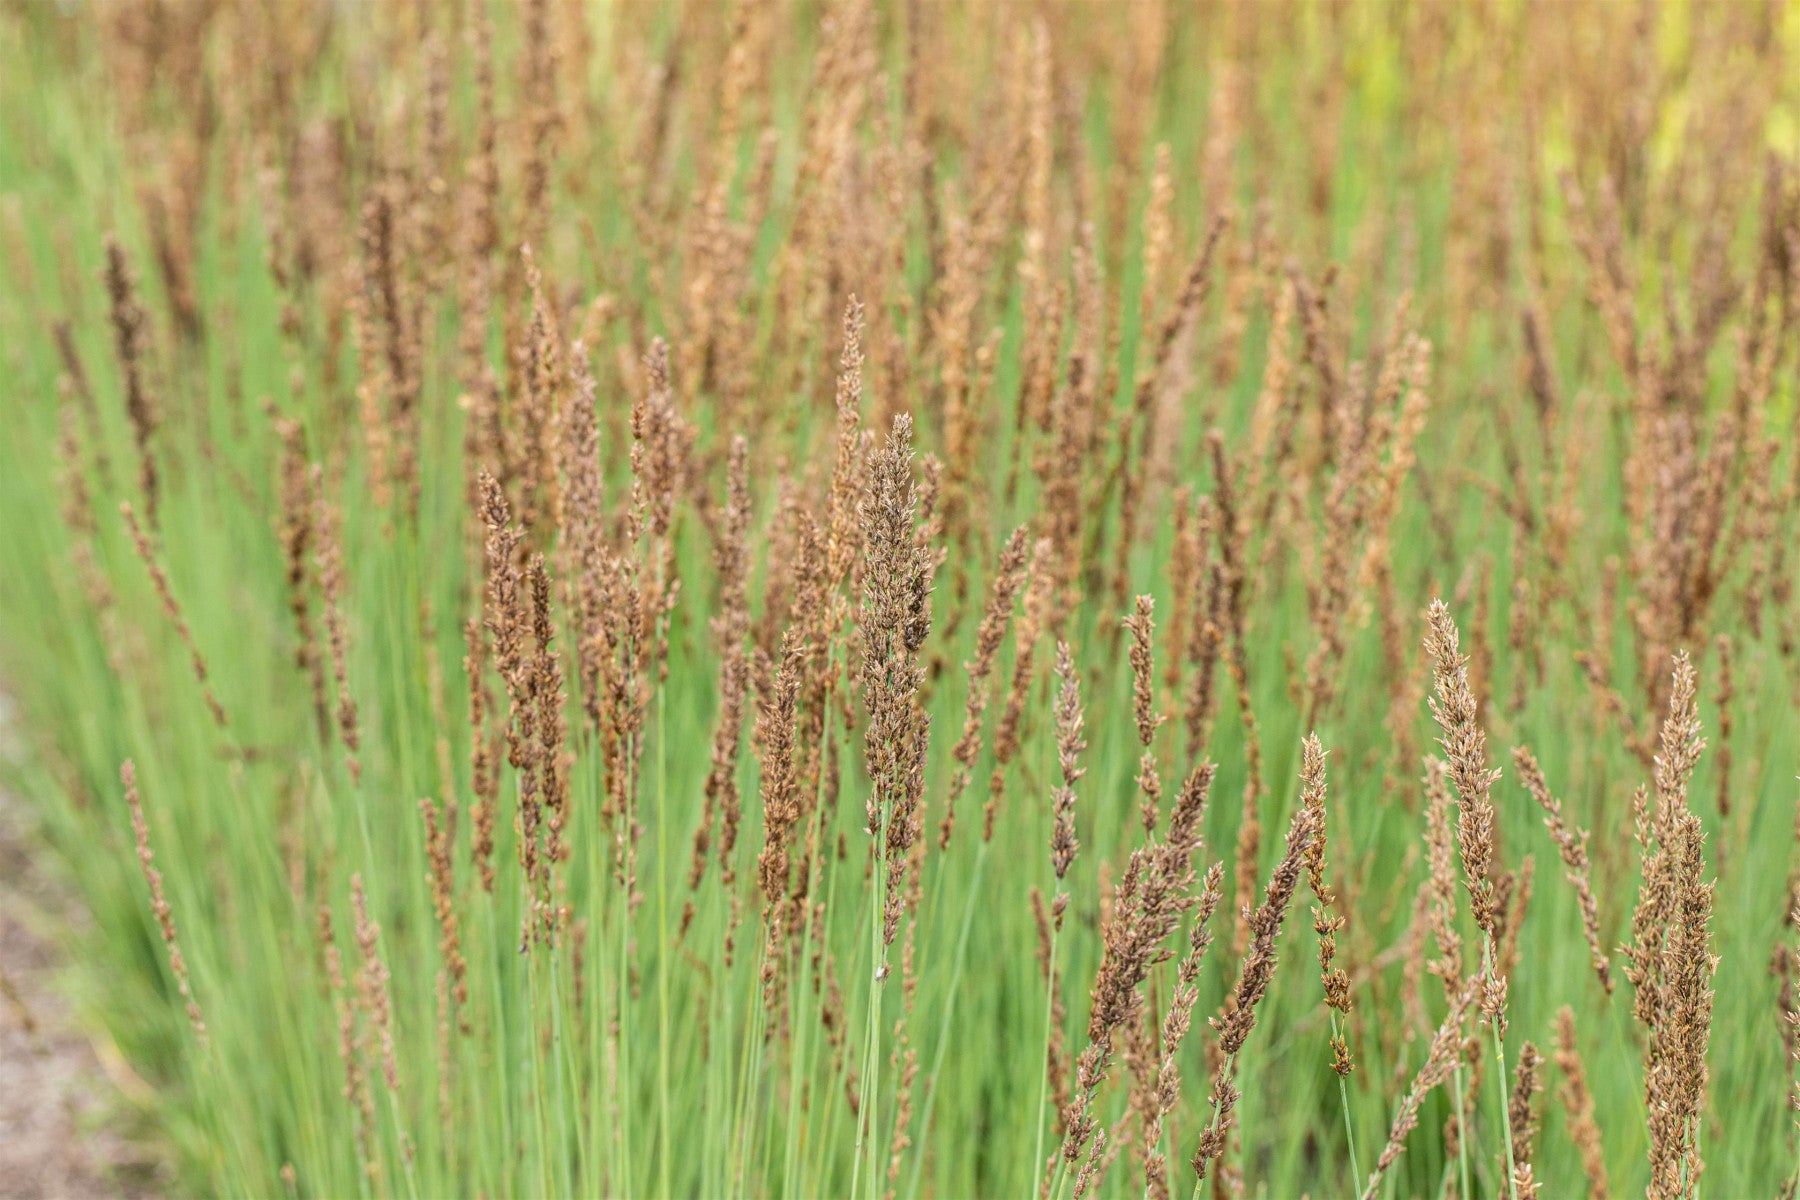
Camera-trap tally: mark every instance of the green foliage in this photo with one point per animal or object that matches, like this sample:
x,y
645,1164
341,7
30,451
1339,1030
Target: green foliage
x,y
634,1055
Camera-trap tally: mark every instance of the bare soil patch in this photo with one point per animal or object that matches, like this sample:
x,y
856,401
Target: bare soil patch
x,y
72,1115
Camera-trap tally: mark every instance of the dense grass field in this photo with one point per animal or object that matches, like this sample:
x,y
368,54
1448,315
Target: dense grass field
x,y
916,599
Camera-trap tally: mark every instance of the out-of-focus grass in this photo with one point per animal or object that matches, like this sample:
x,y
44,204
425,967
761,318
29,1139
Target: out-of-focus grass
x,y
1412,148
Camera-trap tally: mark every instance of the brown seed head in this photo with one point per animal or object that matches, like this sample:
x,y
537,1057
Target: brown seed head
x,y
1465,748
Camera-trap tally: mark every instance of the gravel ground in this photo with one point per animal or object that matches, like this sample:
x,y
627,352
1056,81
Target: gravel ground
x,y
71,1111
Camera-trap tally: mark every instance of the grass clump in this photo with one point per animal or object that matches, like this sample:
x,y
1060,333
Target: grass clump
x,y
531,529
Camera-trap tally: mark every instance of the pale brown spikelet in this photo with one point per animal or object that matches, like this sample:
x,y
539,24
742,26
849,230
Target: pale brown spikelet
x,y
372,983
443,899
731,627
1594,667
1043,326
1039,588
1672,963
1410,949
1257,969
1326,923
781,804
1578,1106
1056,1054
1070,742
895,618
1441,881
841,528
660,446
1157,389
446,1089
1174,1029
356,1080
1249,835
1723,698
131,346
478,236
1186,571
1206,639
906,1059
534,738
1232,525
1465,749
1009,580
504,605
81,390
78,502
1519,644
1152,897
371,390
543,409
159,904
1481,647
140,541
552,726
392,347
584,530
329,558
1272,424
483,778
1523,1120
297,534
1516,899
1410,360
1141,625
1441,1060
1662,829
1571,843
1158,233
539,56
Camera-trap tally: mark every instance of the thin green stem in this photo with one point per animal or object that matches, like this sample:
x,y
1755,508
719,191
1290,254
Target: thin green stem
x,y
1043,1059
865,1125
956,970
1344,1098
662,959
537,1065
750,1072
799,1028
1228,1072
1489,957
627,870
1462,1132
